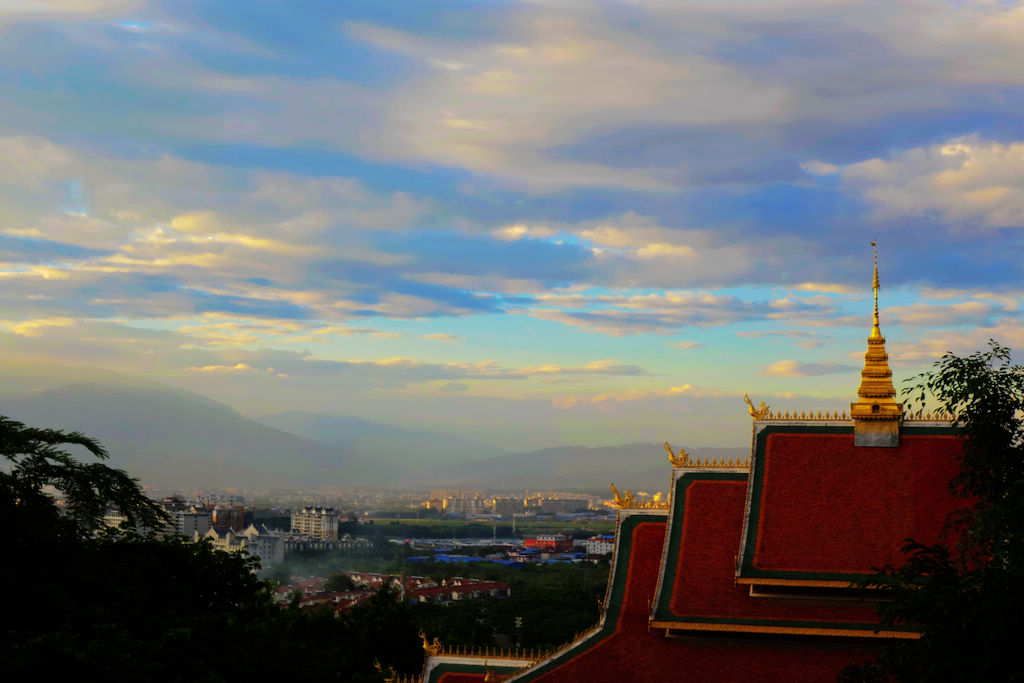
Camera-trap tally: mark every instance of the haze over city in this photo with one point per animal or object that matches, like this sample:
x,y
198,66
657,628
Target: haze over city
x,y
518,225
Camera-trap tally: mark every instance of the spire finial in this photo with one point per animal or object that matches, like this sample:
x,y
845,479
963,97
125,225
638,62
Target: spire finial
x,y
876,414
875,286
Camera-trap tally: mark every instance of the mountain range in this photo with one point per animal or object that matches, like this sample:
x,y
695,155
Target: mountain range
x,y
179,439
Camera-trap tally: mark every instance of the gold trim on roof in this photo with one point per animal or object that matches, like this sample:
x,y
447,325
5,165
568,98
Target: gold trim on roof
x,y
488,653
805,415
632,501
839,416
921,416
684,460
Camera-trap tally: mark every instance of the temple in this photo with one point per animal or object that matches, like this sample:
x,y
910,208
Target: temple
x,y
749,570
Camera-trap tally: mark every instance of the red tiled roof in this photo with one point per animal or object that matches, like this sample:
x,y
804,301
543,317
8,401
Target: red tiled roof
x,y
632,652
824,509
703,591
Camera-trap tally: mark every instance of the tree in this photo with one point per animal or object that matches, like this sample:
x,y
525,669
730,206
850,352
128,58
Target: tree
x,y
338,582
39,462
966,596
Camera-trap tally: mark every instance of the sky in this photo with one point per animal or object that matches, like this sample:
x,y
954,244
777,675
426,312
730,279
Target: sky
x,y
528,223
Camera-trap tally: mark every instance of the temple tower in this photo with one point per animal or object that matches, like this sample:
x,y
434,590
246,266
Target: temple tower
x,y
876,413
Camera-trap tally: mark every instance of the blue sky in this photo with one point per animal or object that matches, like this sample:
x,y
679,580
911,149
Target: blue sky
x,y
530,223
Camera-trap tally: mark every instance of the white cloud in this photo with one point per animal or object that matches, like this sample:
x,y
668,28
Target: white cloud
x,y
500,111
792,368
962,180
56,9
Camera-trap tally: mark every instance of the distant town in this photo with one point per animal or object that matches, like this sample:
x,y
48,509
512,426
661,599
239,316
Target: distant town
x,y
449,526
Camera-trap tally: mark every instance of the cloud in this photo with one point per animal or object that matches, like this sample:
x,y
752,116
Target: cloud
x,y
967,180
824,287
773,333
444,337
55,9
792,368
819,168
32,328
933,344
564,402
923,314
207,346
237,367
510,99
685,345
664,313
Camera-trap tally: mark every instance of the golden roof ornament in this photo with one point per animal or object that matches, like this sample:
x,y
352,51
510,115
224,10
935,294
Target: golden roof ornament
x,y
430,649
756,413
629,500
876,413
682,461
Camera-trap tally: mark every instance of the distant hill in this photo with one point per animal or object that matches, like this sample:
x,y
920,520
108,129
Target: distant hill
x,y
637,466
175,438
179,439
410,453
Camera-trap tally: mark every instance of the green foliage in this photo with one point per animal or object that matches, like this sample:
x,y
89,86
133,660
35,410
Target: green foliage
x,y
966,598
338,582
39,460
555,602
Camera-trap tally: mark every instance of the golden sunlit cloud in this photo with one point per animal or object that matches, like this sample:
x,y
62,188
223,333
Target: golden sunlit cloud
x,y
31,328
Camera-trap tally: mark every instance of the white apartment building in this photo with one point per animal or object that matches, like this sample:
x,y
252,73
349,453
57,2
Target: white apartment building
x,y
261,542
316,522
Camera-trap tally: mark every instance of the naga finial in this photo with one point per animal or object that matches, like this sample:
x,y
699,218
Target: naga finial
x,y
430,649
756,413
390,676
682,461
628,499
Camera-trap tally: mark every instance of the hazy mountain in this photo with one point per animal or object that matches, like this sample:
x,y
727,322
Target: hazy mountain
x,y
411,453
24,377
177,438
637,466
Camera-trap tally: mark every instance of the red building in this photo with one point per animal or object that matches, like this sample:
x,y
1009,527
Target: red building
x,y
748,572
553,543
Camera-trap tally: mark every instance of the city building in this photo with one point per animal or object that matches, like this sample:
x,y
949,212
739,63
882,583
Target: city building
x,y
554,543
256,541
316,522
749,570
227,516
191,520
597,545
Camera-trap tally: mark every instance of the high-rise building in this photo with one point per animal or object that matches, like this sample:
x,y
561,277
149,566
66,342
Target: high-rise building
x,y
316,521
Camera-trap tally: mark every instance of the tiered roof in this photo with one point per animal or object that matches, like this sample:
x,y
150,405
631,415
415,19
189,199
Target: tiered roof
x,y
748,570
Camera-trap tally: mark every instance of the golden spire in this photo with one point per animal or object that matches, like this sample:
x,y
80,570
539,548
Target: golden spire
x,y
875,286
876,413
